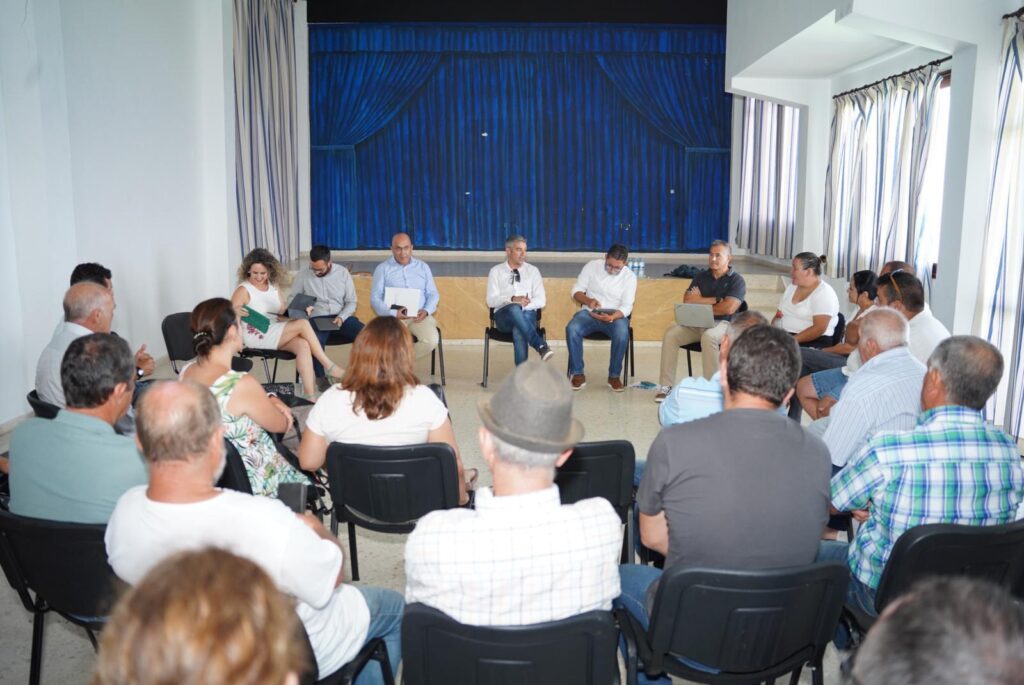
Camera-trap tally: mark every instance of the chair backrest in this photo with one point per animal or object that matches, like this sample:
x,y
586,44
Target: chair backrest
x,y
437,649
439,391
750,621
64,564
234,476
994,553
599,469
839,330
42,408
390,488
178,338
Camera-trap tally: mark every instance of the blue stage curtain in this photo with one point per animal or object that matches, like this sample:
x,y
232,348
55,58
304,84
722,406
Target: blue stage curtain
x,y
533,131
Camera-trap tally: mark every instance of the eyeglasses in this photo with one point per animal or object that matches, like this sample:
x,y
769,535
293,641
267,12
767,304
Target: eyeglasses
x,y
515,276
896,287
611,268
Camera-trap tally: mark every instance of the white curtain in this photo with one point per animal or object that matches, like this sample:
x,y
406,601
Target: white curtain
x,y
999,316
768,178
266,131
877,170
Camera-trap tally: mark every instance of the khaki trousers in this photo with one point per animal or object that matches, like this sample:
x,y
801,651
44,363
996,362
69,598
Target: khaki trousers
x,y
426,335
710,342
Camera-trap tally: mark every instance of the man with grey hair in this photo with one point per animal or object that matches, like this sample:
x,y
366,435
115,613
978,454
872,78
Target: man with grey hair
x,y
515,291
521,557
696,397
181,435
952,467
889,371
723,289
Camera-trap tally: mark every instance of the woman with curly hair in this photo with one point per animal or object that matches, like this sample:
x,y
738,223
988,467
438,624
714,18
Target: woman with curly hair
x,y
258,277
380,402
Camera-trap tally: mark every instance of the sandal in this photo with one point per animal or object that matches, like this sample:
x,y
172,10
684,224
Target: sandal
x,y
338,376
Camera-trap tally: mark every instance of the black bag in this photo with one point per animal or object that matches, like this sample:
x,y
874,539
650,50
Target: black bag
x,y
684,271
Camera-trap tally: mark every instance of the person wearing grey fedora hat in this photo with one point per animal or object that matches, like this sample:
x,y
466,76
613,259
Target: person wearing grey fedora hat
x,y
521,556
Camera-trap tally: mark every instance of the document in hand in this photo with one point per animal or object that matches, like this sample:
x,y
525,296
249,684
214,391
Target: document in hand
x,y
403,297
256,319
297,307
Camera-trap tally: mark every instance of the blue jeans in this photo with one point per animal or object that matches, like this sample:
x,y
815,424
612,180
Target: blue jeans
x,y
858,595
348,331
584,324
523,326
635,580
386,608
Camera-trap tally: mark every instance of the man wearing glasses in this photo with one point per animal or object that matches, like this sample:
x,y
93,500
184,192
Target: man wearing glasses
x,y
515,291
606,289
335,295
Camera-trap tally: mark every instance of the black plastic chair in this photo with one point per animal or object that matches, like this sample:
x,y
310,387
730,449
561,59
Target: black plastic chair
x,y
437,354
696,347
750,626
373,650
602,469
576,651
251,353
628,359
42,408
178,341
388,489
840,330
492,333
59,567
235,476
993,553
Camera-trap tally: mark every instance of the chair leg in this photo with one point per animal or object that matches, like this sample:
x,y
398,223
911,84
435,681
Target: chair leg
x,y
689,364
628,540
274,378
266,369
487,357
632,355
440,354
92,639
38,622
380,654
352,550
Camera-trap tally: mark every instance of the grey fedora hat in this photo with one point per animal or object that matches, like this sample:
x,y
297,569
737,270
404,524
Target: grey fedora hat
x,y
532,409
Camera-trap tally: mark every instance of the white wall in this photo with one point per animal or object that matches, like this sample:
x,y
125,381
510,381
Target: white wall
x,y
117,119
969,30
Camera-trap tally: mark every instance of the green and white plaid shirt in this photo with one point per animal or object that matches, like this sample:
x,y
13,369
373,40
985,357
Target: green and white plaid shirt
x,y
951,468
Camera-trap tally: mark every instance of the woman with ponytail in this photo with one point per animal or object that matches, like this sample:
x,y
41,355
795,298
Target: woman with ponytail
x,y
246,410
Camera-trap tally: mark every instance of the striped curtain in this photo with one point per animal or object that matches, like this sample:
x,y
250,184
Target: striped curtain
x,y
266,131
1000,318
874,211
768,179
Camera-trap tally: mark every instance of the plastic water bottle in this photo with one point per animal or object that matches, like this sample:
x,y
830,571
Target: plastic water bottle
x,y
643,268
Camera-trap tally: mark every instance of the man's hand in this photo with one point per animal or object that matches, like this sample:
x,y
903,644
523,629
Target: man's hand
x,y
825,405
338,321
144,361
420,315
691,293
309,310
401,314
860,515
521,300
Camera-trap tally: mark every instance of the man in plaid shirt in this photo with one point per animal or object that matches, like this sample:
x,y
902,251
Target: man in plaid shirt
x,y
951,468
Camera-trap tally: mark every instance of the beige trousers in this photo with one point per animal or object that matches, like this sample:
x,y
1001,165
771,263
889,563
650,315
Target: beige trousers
x,y
426,335
710,342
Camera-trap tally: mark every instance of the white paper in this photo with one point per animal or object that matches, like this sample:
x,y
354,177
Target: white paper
x,y
403,297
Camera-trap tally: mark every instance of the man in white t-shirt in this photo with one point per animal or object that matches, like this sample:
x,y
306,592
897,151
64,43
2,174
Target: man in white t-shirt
x,y
515,291
606,290
904,292
521,557
181,436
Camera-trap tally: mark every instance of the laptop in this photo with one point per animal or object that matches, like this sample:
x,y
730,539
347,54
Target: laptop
x,y
695,315
297,307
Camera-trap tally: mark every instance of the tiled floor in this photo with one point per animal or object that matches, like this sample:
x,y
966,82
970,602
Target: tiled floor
x,y
68,656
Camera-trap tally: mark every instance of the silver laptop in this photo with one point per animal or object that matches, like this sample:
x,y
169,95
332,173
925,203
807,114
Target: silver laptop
x,y
695,315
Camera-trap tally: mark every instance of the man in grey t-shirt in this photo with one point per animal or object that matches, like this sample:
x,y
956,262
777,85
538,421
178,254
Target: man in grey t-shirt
x,y
744,489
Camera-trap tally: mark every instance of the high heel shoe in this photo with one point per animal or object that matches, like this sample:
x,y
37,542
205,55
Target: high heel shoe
x,y
336,376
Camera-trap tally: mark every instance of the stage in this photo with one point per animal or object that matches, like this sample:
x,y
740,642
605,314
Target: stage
x,y
462,282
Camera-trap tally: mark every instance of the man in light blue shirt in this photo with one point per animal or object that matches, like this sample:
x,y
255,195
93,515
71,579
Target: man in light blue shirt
x,y
402,270
696,397
75,467
890,372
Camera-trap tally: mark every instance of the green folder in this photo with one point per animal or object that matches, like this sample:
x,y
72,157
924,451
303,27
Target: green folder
x,y
256,319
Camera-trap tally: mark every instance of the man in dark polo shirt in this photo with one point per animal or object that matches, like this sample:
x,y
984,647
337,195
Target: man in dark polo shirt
x,y
723,289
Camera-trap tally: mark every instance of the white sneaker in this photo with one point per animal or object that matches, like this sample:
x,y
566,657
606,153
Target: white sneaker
x,y
662,393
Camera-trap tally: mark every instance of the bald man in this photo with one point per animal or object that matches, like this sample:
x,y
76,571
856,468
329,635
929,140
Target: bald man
x,y
402,270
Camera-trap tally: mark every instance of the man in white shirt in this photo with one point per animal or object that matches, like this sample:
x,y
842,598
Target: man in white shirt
x,y
606,290
521,557
181,436
904,292
515,291
336,300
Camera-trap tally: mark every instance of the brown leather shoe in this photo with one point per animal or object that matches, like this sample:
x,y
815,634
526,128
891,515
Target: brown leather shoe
x,y
615,383
578,381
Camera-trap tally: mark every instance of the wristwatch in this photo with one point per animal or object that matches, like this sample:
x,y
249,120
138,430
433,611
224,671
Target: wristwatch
x,y
139,373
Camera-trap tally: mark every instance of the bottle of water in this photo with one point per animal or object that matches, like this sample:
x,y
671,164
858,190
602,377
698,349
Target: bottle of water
x,y
643,268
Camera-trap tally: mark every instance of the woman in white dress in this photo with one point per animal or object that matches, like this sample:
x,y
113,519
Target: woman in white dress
x,y
258,277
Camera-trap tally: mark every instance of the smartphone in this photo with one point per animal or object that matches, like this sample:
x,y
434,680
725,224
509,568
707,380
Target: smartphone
x,y
293,495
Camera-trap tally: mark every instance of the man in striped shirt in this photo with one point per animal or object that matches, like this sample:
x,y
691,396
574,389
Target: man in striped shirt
x,y
951,468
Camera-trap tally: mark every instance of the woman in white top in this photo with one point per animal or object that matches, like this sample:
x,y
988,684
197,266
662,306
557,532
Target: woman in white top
x,y
379,402
809,308
258,277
